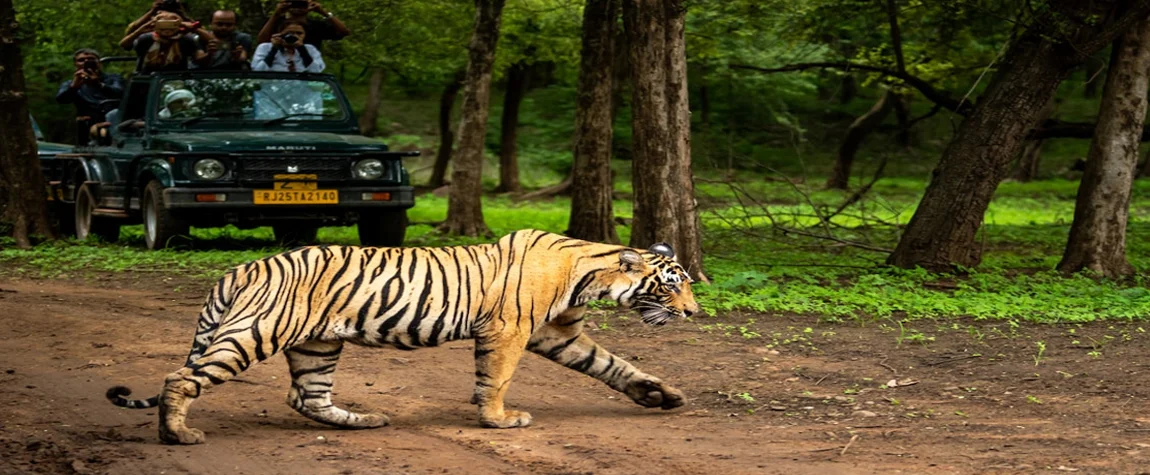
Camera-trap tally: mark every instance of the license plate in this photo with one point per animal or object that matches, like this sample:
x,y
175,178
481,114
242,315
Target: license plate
x,y
295,197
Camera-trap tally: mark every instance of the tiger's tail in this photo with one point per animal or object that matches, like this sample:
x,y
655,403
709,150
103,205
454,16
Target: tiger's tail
x,y
217,304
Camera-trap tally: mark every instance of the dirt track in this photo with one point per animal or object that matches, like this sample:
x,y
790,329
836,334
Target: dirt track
x,y
64,342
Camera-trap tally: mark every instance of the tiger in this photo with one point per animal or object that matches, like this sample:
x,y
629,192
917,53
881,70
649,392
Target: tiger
x,y
527,291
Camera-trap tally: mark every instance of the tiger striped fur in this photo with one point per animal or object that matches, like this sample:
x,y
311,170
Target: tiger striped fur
x,y
528,291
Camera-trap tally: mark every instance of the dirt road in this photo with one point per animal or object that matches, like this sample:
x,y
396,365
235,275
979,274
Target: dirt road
x,y
970,404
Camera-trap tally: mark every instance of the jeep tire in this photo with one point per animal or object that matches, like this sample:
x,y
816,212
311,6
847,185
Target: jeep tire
x,y
295,234
382,228
160,227
86,224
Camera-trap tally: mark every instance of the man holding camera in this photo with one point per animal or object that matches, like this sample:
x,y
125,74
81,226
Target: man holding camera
x,y
297,11
88,89
230,49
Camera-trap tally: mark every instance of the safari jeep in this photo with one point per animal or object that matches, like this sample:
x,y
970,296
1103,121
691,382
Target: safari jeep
x,y
212,148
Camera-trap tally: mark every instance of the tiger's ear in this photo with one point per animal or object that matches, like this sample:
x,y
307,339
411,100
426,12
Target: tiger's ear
x,y
662,249
631,261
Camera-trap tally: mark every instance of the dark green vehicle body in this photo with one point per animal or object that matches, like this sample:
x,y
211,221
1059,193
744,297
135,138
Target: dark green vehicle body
x,y
145,166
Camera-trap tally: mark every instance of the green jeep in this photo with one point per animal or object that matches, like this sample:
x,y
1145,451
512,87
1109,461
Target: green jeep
x,y
212,148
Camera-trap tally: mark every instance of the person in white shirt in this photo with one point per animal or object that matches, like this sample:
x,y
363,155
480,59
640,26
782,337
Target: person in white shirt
x,y
287,52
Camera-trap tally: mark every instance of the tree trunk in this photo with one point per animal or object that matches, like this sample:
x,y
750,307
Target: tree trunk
x,y
859,129
1027,169
592,213
665,207
518,79
464,206
22,196
942,231
1098,235
901,105
446,137
689,246
370,116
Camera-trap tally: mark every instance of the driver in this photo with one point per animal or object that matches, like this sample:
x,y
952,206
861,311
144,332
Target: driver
x,y
178,104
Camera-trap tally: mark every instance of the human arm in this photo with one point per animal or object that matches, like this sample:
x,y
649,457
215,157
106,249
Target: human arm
x,y
112,85
130,40
269,29
262,60
135,25
339,29
312,59
67,92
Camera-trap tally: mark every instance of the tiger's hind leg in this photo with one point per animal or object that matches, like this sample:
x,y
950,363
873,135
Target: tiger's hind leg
x,y
312,365
227,356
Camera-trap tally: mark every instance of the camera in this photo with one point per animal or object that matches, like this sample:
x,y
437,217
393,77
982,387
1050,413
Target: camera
x,y
297,4
91,64
170,6
290,38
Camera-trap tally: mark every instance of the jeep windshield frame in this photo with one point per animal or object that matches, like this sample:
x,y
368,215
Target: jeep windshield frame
x,y
262,96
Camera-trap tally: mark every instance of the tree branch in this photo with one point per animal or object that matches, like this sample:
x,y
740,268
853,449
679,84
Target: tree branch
x,y
895,35
927,90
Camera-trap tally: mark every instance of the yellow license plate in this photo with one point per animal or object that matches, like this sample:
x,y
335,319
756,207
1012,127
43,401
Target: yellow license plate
x,y
295,197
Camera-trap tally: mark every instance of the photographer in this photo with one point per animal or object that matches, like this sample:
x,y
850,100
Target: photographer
x,y
230,49
296,11
288,51
89,87
167,47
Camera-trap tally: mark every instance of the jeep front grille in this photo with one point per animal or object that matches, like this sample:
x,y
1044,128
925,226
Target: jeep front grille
x,y
266,168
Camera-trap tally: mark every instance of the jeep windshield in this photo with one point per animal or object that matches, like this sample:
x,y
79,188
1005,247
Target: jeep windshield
x,y
267,101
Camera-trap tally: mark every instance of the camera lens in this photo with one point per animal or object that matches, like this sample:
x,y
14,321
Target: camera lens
x,y
290,38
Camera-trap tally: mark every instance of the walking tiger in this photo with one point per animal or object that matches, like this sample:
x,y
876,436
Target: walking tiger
x,y
528,291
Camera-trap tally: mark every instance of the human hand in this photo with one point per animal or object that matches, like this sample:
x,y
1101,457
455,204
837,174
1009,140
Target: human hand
x,y
78,78
213,45
156,6
277,40
239,54
314,6
281,7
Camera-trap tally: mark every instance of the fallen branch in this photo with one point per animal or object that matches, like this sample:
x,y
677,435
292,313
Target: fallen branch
x,y
924,87
852,441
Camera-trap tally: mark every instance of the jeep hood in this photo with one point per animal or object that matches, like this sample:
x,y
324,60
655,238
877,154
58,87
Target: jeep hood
x,y
265,142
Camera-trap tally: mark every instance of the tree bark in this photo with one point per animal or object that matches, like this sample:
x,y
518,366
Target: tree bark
x,y
859,129
464,206
592,212
665,207
1098,235
370,116
446,137
22,196
518,81
941,234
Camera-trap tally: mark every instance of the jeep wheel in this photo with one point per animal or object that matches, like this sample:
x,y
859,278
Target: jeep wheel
x,y
295,235
382,228
160,227
87,225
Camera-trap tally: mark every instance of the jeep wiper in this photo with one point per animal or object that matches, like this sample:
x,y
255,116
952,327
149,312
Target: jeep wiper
x,y
299,114
213,115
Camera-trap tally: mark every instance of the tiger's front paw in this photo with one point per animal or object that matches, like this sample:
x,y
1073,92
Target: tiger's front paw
x,y
655,393
508,420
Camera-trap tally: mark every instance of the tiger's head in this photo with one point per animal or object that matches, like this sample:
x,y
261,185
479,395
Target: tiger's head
x,y
655,285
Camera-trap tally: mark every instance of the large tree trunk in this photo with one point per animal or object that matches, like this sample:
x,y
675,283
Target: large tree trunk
x,y
942,231
22,196
664,192
592,213
859,129
1098,236
370,115
446,137
518,79
464,206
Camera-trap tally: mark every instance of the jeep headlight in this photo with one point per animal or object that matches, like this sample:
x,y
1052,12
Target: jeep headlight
x,y
368,169
209,169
